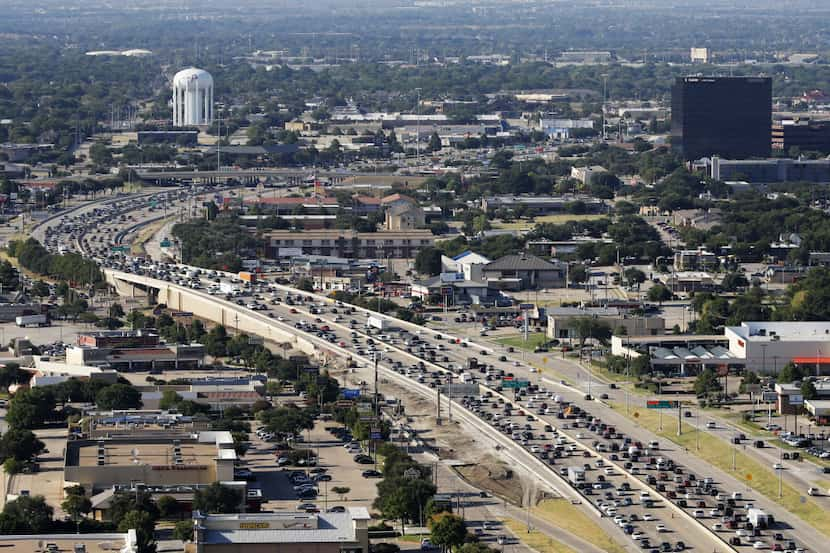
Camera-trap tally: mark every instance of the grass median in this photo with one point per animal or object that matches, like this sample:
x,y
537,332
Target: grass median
x,y
535,539
533,339
720,454
564,515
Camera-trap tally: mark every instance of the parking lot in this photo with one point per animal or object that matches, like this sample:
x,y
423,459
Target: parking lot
x,y
334,461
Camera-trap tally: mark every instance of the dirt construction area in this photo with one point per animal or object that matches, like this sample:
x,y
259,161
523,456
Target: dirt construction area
x,y
471,453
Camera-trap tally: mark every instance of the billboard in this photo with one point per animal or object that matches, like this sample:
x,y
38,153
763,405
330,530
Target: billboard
x,y
526,307
796,399
770,397
351,393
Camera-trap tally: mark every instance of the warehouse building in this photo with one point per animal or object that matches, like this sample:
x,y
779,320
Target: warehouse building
x,y
768,346
285,532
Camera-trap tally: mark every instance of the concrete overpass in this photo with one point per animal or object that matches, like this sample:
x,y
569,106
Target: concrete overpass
x,y
291,176
221,311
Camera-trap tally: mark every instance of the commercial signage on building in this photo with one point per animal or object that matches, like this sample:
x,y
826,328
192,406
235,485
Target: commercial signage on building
x,y
254,525
351,393
526,307
796,399
452,277
289,252
178,467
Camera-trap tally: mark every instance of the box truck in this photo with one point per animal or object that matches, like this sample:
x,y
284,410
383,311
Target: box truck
x,y
31,320
246,276
377,322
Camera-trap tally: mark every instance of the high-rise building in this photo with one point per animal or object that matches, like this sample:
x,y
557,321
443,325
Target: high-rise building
x,y
699,55
730,117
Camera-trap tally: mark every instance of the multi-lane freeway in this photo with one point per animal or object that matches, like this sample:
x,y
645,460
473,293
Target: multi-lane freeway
x,y
546,430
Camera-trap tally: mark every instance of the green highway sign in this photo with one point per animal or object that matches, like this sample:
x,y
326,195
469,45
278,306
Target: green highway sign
x,y
662,404
515,383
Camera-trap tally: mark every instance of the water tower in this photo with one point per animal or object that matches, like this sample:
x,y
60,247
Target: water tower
x,y
192,98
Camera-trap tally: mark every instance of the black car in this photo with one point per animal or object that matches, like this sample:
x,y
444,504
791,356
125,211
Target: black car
x,y
371,473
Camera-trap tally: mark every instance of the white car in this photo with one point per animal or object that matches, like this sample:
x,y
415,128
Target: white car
x,y
698,513
648,516
711,424
661,528
759,545
637,536
281,319
717,527
813,491
777,466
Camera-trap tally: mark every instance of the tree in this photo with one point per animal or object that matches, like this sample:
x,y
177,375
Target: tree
x,y
428,261
116,311
31,408
26,515
808,390
287,420
434,142
750,377
659,293
706,383
402,498
217,498
168,506
790,373
144,524
589,327
633,276
77,506
183,530
577,273
20,444
447,530
118,396
342,491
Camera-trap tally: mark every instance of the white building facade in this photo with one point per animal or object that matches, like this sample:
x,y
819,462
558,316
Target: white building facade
x,y
768,346
192,98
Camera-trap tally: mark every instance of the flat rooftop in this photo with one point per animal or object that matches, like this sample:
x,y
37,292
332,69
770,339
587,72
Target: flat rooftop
x,y
160,453
783,331
66,543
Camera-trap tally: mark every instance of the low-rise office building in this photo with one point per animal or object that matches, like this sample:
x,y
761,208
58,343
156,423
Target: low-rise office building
x,y
151,358
126,542
588,174
524,272
136,453
760,171
283,531
349,243
561,321
695,260
542,205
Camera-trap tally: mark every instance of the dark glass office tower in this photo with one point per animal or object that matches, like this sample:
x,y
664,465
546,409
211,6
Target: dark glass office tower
x,y
730,117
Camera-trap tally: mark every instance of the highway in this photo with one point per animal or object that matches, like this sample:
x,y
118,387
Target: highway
x,y
350,339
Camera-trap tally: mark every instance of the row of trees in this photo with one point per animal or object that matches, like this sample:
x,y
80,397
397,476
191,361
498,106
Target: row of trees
x,y
70,266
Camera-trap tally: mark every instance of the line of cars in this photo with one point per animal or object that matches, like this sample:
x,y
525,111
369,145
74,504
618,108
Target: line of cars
x,y
700,497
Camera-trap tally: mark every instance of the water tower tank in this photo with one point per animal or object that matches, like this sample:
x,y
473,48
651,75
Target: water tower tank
x,y
192,98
